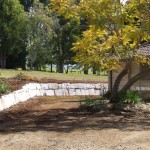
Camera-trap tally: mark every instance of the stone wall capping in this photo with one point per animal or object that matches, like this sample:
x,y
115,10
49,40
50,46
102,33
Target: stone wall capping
x,y
53,86
45,86
49,93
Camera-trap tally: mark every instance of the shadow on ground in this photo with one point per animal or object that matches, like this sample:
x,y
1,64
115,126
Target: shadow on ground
x,y
67,120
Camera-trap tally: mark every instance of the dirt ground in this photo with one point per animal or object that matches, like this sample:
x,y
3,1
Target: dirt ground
x,y
46,123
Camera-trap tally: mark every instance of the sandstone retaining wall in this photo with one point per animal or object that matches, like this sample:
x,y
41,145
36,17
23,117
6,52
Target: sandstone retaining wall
x,y
51,89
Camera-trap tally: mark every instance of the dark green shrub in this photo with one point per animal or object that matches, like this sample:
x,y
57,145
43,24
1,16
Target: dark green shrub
x,y
130,97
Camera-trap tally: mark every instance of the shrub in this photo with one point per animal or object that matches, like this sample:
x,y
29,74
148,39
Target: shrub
x,y
3,87
130,97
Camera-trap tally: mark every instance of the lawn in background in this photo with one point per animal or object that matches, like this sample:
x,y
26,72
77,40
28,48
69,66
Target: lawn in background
x,y
8,73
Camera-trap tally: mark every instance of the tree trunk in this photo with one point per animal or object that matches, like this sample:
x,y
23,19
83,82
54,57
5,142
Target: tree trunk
x,y
51,68
85,71
3,59
67,69
60,66
94,71
31,64
114,92
23,59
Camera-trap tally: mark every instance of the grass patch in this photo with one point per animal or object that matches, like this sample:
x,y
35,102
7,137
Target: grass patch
x,y
3,87
91,104
131,97
8,73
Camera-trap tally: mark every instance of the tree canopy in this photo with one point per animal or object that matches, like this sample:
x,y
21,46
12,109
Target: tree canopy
x,y
11,28
115,30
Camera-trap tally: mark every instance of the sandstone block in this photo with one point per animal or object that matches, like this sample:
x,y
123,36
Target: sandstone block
x,y
86,86
7,101
78,92
84,92
38,86
91,92
53,86
97,92
38,92
49,92
18,97
72,92
65,92
33,93
30,86
25,96
42,92
82,86
64,85
98,86
44,86
73,86
59,92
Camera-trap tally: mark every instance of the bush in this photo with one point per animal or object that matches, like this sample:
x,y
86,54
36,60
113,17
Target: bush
x,y
3,87
131,97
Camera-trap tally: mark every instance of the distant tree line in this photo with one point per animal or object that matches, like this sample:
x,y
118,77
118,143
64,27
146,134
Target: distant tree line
x,y
32,35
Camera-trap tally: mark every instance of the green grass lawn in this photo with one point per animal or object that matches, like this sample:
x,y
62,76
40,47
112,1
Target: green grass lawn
x,y
8,73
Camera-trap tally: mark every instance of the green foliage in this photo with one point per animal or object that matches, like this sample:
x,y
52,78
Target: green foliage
x,y
21,76
94,104
39,35
12,29
3,87
130,97
66,32
115,31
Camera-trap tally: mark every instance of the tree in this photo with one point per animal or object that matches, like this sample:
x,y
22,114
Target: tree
x,y
115,33
65,33
39,35
11,28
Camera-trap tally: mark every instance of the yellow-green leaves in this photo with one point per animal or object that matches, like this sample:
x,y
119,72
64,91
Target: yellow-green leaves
x,y
115,30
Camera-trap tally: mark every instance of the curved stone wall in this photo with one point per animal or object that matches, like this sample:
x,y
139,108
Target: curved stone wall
x,y
51,89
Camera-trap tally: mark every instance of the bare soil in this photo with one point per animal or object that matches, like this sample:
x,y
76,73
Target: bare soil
x,y
57,123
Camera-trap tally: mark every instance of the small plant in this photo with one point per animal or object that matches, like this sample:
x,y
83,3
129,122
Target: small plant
x,y
89,102
93,104
21,76
3,87
131,97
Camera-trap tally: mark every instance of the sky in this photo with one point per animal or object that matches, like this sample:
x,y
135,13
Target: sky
x,y
123,1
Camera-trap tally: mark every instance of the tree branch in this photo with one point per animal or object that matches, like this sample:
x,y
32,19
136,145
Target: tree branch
x,y
120,76
134,79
